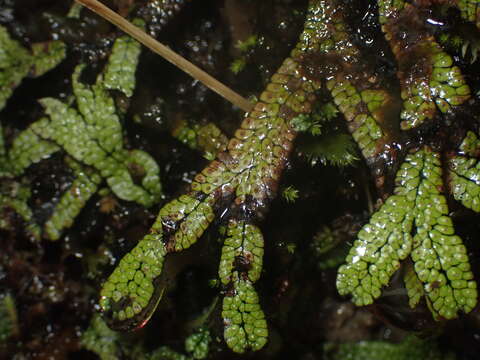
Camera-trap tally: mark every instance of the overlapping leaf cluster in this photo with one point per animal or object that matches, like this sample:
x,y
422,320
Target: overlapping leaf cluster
x,y
247,175
90,133
108,344
414,221
440,259
243,177
16,63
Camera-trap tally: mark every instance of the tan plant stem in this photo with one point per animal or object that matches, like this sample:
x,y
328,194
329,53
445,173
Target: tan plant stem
x,y
168,54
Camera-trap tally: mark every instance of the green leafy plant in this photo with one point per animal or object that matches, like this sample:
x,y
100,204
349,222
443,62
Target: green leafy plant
x,y
248,171
109,344
17,62
411,348
464,172
9,326
439,257
441,85
406,142
248,174
414,221
92,136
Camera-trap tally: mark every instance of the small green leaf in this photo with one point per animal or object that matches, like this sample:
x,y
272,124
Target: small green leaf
x,y
73,200
198,344
119,73
245,325
99,339
46,56
413,286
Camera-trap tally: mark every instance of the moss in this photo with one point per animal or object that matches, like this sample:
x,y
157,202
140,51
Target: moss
x,y
437,83
290,194
327,248
206,138
470,10
245,324
99,339
108,344
198,344
15,196
17,62
418,207
411,348
119,73
332,148
91,135
248,171
413,285
9,326
73,200
464,173
411,229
